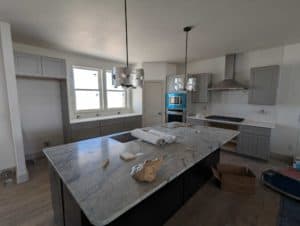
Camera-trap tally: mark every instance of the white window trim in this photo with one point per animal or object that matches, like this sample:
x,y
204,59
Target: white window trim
x,y
103,111
127,96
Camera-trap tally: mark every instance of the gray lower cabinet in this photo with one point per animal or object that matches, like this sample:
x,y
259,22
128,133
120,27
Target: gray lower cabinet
x,y
263,85
111,126
196,122
87,130
254,142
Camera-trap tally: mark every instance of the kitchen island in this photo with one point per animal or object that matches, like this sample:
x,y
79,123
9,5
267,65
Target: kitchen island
x,y
85,193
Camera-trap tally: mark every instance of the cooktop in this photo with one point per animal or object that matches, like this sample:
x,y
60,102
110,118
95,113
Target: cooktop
x,y
224,118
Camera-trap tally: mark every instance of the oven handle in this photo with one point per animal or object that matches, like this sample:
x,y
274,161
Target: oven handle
x,y
174,113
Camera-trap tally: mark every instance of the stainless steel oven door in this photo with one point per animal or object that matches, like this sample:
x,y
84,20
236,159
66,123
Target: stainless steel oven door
x,y
175,116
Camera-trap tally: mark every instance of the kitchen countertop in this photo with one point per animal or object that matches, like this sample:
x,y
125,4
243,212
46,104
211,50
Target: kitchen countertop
x,y
246,122
79,120
100,192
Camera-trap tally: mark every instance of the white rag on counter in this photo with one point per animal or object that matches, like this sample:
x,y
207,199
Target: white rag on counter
x,y
167,137
153,137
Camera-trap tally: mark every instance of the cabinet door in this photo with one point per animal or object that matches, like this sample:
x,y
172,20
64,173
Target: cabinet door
x,y
263,85
54,68
201,95
131,123
111,126
85,130
247,143
263,147
28,64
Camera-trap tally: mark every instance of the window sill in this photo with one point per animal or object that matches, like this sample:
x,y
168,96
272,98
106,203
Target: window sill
x,y
74,121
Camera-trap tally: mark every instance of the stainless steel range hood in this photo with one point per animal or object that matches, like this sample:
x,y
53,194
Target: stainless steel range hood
x,y
229,83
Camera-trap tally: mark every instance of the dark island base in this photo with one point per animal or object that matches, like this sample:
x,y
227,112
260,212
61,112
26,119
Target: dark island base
x,y
154,210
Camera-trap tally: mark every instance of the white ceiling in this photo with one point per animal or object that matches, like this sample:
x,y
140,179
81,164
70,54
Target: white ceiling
x,y
96,27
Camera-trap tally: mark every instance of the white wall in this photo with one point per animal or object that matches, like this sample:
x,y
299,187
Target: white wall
x,y
158,70
7,158
41,114
285,114
11,103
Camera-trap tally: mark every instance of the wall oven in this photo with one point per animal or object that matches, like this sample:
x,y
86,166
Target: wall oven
x,y
176,101
176,107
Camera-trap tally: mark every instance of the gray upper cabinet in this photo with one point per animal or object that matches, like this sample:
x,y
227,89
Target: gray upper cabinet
x,y
28,64
263,85
203,82
53,67
39,66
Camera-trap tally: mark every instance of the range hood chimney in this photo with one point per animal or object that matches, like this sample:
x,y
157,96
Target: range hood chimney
x,y
229,83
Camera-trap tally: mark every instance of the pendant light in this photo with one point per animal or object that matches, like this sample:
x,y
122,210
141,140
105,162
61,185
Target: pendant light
x,y
122,75
190,83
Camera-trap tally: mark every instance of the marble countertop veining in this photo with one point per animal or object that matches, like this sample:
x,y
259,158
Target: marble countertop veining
x,y
246,122
105,194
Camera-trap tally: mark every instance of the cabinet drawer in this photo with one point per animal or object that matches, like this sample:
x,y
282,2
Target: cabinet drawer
x,y
196,122
255,130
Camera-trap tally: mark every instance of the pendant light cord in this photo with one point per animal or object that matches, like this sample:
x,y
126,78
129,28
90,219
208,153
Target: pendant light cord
x,y
126,32
186,52
186,30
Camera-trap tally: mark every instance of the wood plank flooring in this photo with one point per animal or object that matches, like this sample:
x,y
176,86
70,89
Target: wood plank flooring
x,y
29,204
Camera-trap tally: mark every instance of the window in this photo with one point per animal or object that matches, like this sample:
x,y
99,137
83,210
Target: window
x,y
87,89
95,93
115,97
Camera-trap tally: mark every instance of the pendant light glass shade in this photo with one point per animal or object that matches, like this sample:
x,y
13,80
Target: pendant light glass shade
x,y
191,84
139,77
121,77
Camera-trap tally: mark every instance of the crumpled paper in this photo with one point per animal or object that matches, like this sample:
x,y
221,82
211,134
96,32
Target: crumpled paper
x,y
146,172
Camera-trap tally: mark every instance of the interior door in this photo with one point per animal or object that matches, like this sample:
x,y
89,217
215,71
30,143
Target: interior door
x,y
153,104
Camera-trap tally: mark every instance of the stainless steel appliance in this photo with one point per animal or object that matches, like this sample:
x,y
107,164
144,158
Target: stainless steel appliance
x,y
229,83
176,107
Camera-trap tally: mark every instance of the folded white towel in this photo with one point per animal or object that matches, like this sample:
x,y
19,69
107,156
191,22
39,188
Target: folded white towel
x,y
167,137
148,137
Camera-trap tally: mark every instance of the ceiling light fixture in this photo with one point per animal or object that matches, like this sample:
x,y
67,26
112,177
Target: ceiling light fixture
x,y
122,76
190,83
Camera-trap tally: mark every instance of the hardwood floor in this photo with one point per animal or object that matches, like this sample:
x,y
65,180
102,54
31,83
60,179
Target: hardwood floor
x,y
29,204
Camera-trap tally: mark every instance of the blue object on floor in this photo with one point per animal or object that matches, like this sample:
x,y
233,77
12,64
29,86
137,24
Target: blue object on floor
x,y
281,183
289,212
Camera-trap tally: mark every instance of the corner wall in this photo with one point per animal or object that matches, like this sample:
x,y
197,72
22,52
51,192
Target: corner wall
x,y
7,157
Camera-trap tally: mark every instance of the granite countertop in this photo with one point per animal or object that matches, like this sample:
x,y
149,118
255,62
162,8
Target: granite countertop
x,y
105,194
246,122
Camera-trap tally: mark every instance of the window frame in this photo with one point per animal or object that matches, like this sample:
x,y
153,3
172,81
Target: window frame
x,y
102,95
105,90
